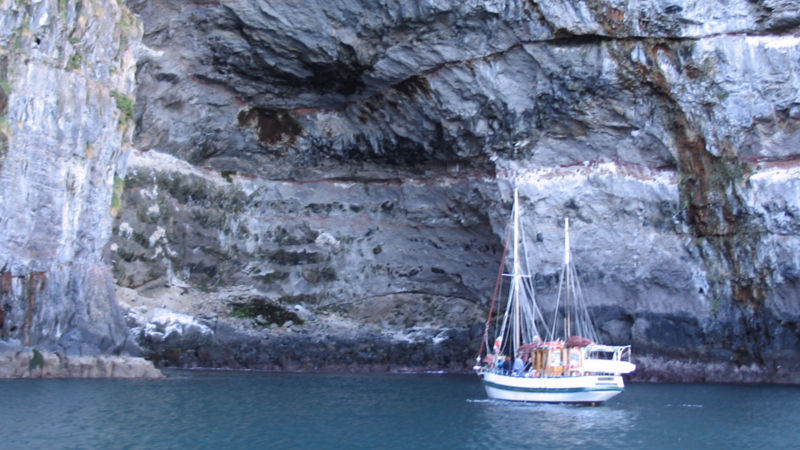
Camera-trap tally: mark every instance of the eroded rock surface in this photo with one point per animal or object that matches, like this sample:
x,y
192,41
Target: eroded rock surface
x,y
32,363
66,111
326,184
353,162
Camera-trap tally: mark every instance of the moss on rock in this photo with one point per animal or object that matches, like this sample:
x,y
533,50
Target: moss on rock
x,y
266,311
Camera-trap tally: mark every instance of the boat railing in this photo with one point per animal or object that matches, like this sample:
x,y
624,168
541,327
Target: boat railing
x,y
625,353
617,352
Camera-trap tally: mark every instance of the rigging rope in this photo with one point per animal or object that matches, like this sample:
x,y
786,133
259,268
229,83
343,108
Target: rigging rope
x,y
494,297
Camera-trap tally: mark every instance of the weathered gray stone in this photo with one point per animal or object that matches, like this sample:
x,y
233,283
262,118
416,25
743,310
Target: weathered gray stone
x,y
351,162
665,130
32,363
66,71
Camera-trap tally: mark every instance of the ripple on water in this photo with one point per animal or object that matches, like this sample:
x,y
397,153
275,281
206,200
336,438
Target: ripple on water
x,y
245,410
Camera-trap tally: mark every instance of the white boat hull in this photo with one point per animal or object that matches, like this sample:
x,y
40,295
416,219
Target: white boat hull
x,y
578,389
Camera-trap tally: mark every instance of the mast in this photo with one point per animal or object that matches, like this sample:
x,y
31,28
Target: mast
x,y
567,327
516,273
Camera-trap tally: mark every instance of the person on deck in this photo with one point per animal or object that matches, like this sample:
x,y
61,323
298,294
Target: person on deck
x,y
504,365
519,365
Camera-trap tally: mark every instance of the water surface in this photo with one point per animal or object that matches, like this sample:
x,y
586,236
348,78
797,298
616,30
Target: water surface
x,y
246,410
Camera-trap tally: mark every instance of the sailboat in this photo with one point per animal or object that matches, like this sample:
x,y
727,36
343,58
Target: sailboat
x,y
536,360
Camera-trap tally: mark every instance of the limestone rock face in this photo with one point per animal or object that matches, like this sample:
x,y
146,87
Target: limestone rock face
x,y
66,109
361,262
354,160
326,183
404,83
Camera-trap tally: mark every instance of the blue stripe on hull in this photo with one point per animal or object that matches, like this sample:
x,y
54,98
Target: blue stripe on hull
x,y
554,390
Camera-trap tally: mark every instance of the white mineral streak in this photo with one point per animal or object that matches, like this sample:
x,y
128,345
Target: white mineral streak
x,y
154,159
786,43
326,238
125,230
164,324
157,236
777,175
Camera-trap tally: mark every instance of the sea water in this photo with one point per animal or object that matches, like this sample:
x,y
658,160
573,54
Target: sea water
x,y
280,410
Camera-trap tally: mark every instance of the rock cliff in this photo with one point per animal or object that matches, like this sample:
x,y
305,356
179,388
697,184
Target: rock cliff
x,y
66,116
325,184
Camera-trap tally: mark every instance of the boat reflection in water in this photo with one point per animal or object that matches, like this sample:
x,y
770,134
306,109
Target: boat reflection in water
x,y
562,426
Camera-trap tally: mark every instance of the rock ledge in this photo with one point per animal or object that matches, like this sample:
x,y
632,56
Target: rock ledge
x,y
33,363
